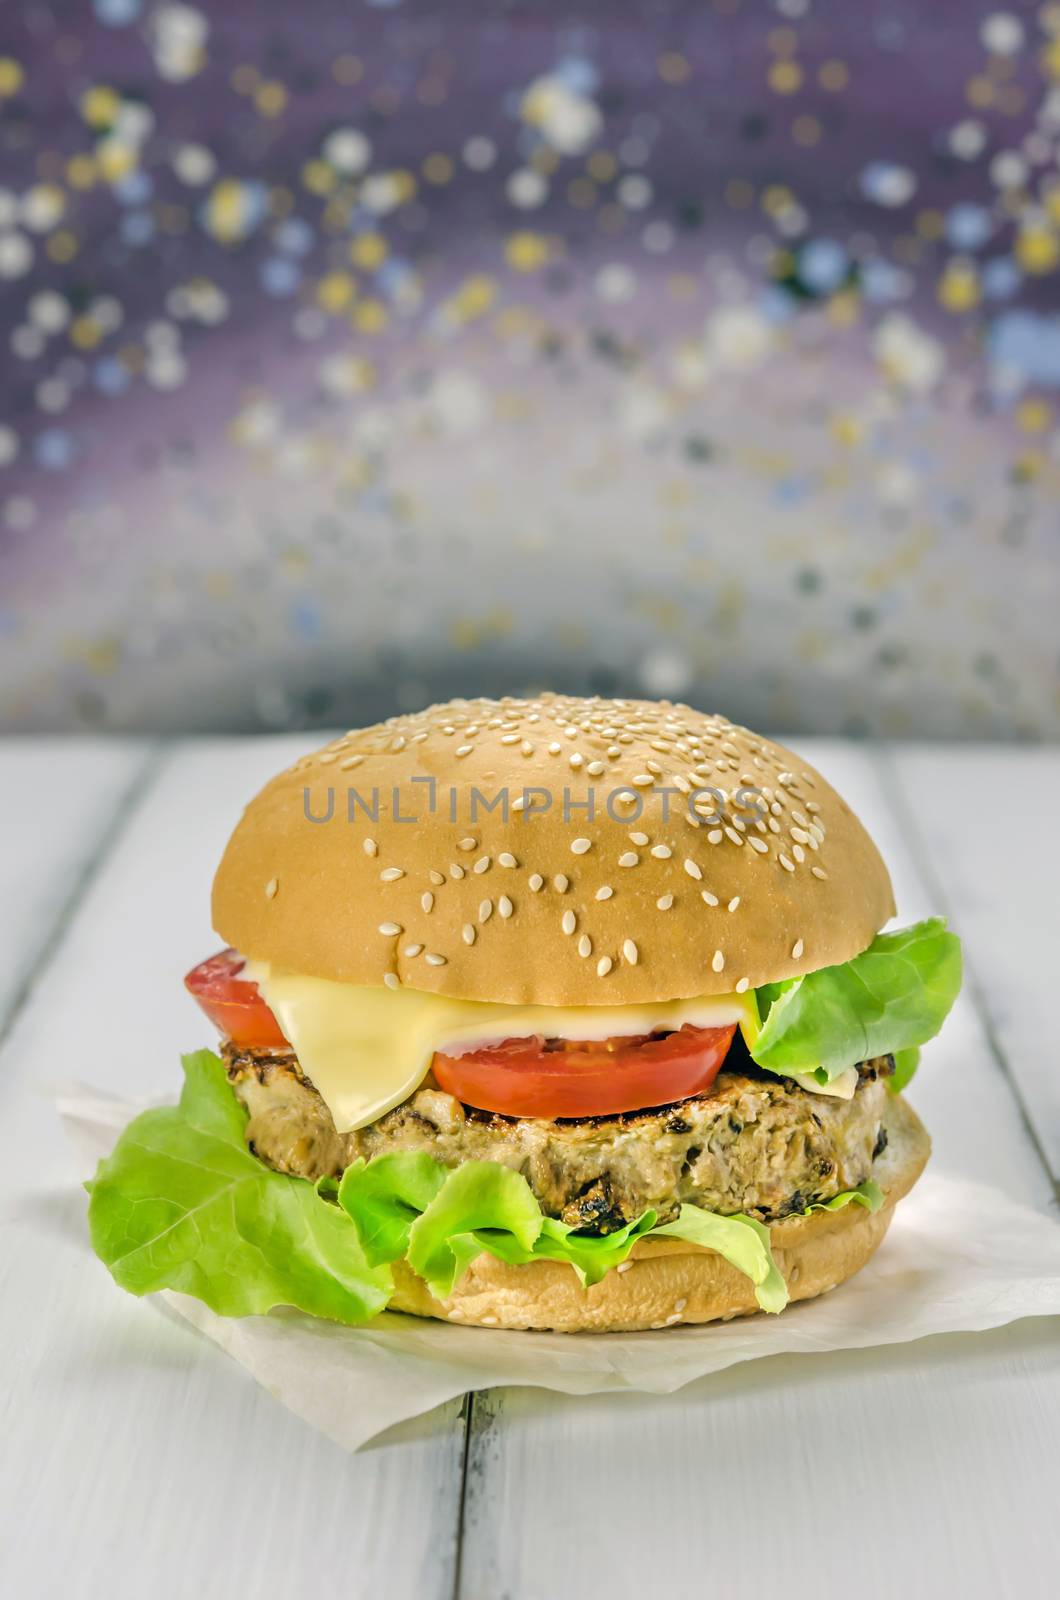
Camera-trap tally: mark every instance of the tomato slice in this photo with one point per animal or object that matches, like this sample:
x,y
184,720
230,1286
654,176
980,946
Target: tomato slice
x,y
233,1004
529,1078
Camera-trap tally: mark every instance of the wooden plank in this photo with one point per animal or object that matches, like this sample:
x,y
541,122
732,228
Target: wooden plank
x,y
58,798
986,815
917,1470
802,1476
135,1454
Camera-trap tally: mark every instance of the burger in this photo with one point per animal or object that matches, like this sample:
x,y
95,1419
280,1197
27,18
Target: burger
x,y
554,1013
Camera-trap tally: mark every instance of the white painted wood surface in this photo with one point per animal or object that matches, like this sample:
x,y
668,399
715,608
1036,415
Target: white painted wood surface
x,y
136,1459
58,797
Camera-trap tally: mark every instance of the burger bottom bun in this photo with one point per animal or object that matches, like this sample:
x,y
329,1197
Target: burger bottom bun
x,y
667,1281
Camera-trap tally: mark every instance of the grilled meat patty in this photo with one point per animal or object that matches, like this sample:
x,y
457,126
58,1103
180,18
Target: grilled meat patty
x,y
755,1143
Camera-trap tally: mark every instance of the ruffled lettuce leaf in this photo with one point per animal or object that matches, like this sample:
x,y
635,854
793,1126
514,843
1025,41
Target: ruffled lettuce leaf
x,y
867,1194
743,1241
891,998
182,1204
905,1065
409,1206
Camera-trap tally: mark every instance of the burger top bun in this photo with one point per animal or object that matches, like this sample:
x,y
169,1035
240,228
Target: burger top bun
x,y
554,851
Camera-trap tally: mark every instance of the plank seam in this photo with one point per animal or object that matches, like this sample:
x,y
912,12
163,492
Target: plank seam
x,y
893,787
461,1505
128,802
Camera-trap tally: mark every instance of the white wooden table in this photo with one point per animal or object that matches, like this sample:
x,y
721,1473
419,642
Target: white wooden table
x,y
136,1459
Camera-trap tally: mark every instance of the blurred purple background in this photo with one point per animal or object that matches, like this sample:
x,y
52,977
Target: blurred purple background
x,y
358,354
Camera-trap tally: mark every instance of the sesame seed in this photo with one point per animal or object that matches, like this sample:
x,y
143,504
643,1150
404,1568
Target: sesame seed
x,y
624,1266
468,932
411,950
579,846
554,748
585,945
506,859
576,760
464,749
595,768
625,797
568,922
630,952
603,966
485,910
329,755
604,892
390,930
734,902
436,877
715,836
711,899
370,847
466,844
504,906
743,985
536,881
392,874
661,852
350,762
482,864
718,961
799,853
819,872
561,882
679,1305
787,863
433,959
629,859
427,901
692,870
799,835
638,838
391,980
758,844
509,738
796,950
455,870
730,833
271,888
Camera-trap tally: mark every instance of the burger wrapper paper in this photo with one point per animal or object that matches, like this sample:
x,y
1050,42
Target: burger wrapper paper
x,y
959,1257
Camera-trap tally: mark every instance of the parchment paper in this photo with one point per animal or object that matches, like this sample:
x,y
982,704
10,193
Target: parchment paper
x,y
959,1257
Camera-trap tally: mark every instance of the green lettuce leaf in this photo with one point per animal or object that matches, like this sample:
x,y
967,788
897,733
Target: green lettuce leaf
x,y
905,1065
743,1242
409,1205
892,997
867,1194
182,1204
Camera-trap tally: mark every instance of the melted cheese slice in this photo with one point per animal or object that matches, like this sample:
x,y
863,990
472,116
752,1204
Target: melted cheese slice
x,y
841,1087
366,1049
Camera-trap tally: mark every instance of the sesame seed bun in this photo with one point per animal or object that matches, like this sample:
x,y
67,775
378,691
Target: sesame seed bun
x,y
664,892
666,1281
